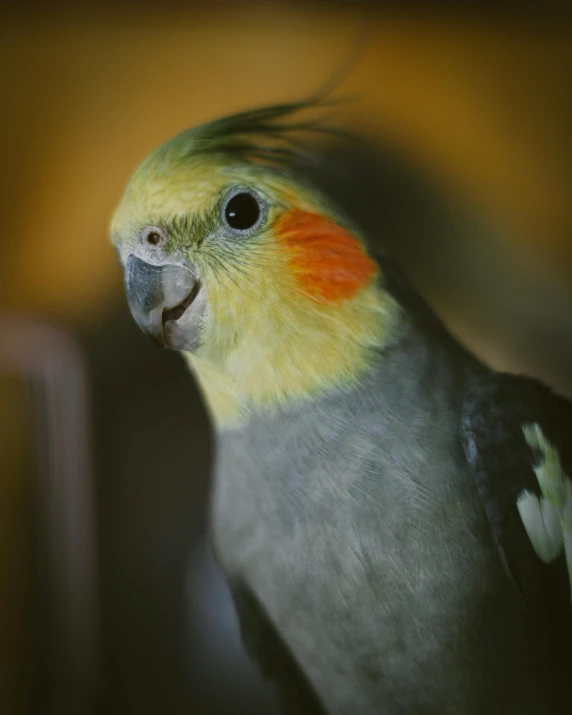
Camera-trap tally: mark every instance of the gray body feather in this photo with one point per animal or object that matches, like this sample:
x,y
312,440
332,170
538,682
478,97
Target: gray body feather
x,y
354,520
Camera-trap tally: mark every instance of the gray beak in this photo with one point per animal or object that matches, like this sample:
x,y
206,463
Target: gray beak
x,y
166,302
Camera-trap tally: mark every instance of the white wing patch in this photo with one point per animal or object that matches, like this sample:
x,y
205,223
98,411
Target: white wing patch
x,y
548,519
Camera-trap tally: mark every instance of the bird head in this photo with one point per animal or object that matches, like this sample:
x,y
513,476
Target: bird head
x,y
232,259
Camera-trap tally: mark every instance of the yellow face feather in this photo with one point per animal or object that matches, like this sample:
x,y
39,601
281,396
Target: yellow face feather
x,y
292,308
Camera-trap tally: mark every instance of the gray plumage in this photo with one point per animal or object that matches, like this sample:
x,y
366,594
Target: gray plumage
x,y
355,522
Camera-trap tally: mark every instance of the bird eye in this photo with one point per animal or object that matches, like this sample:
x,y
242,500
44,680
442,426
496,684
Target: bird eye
x,y
242,211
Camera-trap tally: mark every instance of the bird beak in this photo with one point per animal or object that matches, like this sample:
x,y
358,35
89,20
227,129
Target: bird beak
x,y
166,301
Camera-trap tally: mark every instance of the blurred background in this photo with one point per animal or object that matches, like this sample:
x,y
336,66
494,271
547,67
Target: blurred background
x,y
109,598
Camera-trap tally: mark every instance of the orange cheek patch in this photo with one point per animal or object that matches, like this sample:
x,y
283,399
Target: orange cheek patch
x,y
328,262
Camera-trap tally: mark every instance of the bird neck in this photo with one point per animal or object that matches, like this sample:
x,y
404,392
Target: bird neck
x,y
314,351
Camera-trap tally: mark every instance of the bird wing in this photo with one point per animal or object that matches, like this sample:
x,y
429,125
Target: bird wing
x,y
517,438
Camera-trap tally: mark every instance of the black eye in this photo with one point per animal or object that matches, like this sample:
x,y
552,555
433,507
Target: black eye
x,y
242,211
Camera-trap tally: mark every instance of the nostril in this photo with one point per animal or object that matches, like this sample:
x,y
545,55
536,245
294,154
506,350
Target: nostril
x,y
153,236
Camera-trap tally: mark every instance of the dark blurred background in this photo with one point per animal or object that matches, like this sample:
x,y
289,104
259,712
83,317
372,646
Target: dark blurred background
x,y
109,598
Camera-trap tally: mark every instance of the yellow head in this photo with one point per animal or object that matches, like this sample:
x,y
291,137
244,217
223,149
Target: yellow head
x,y
270,294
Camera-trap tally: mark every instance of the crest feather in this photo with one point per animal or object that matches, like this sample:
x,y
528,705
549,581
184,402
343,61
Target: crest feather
x,y
272,135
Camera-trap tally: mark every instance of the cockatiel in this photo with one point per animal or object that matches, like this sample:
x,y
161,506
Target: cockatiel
x,y
394,519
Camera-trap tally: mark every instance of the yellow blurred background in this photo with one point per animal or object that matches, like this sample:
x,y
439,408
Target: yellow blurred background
x,y
85,99
482,103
